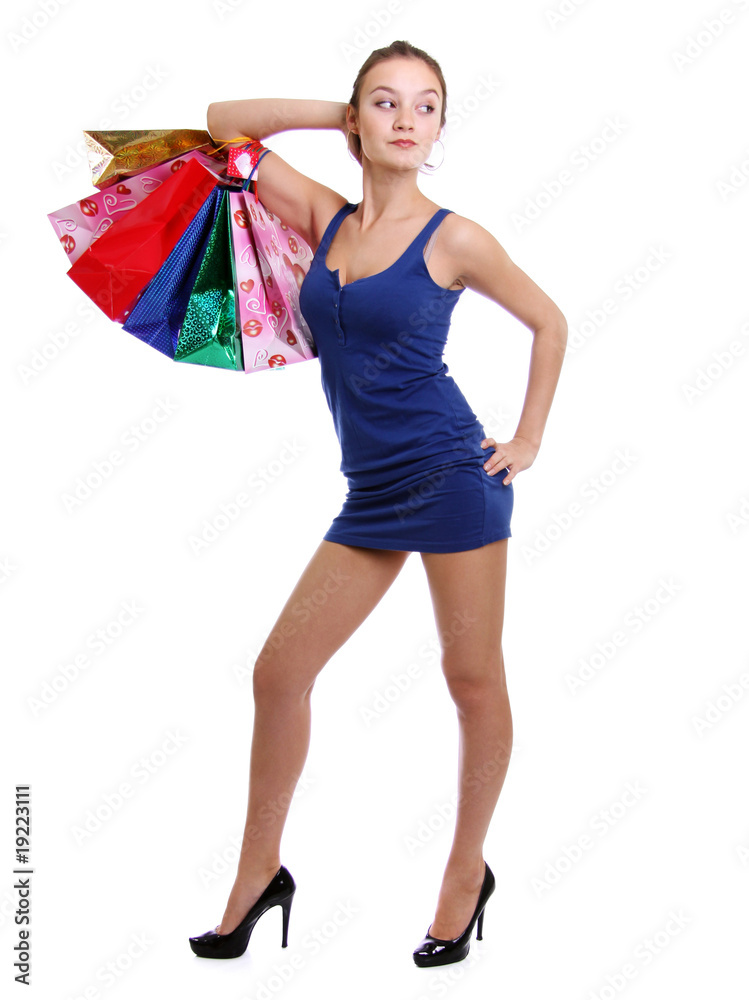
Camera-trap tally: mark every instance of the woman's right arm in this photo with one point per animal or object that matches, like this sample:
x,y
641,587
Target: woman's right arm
x,y
302,203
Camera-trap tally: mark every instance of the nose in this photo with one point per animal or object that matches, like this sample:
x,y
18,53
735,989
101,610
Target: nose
x,y
404,121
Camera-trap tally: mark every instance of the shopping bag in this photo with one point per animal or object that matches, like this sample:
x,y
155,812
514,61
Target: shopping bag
x,y
270,261
121,262
115,156
79,224
209,334
160,309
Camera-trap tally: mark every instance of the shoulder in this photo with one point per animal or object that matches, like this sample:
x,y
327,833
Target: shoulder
x,y
479,261
467,238
472,249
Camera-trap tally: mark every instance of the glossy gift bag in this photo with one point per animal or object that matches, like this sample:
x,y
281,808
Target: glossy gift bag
x,y
158,314
80,224
209,334
270,263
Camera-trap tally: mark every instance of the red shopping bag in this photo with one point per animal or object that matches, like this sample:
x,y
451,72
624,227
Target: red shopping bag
x,y
120,263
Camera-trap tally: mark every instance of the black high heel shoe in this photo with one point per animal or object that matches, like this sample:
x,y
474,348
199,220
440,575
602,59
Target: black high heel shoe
x,y
436,951
279,892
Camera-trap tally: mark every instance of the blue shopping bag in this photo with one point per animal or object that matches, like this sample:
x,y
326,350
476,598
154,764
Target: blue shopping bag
x,y
158,314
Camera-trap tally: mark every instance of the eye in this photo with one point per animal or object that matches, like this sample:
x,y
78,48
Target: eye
x,y
386,101
428,106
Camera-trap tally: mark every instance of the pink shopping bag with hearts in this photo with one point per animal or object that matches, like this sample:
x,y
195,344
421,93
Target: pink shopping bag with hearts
x,y
270,262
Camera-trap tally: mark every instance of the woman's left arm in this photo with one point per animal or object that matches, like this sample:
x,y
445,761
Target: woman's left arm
x,y
483,265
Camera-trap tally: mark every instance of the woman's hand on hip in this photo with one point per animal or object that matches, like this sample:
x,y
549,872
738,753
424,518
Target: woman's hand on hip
x,y
514,455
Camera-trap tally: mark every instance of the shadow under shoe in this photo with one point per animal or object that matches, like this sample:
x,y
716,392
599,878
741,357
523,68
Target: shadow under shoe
x,y
438,951
279,892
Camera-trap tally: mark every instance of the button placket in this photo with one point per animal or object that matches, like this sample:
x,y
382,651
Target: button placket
x,y
336,310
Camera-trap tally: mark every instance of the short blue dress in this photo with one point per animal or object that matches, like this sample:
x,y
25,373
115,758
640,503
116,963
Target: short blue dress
x,y
410,443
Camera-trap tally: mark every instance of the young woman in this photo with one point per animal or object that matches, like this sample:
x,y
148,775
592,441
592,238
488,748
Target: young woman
x,y
422,476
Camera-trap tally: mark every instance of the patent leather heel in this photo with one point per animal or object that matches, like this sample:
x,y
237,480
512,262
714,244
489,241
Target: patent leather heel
x,y
279,892
437,951
286,906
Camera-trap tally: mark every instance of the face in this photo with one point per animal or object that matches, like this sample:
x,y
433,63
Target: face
x,y
401,101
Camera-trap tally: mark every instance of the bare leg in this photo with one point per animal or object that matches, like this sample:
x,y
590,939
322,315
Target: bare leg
x,y
337,591
468,593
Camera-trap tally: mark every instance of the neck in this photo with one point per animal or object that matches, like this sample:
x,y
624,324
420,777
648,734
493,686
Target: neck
x,y
389,194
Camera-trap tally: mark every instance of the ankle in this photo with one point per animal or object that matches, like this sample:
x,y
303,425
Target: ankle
x,y
465,869
250,869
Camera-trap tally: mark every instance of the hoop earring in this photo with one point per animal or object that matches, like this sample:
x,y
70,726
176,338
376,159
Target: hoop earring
x,y
431,167
348,133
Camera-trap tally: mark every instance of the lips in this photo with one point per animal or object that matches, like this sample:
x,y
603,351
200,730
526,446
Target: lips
x,y
404,142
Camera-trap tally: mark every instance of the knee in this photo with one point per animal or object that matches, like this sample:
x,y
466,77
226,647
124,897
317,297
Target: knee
x,y
474,689
273,679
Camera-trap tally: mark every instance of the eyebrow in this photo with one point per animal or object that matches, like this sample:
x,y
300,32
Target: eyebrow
x,y
390,89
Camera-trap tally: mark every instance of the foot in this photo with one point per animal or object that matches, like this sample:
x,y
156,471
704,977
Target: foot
x,y
247,889
458,897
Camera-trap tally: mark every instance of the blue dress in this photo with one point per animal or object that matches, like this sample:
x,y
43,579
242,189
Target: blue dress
x,y
410,443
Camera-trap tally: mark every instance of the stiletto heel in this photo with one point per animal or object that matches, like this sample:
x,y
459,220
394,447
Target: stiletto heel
x,y
286,905
279,892
437,951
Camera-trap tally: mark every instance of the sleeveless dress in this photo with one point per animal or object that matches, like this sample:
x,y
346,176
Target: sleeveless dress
x,y
410,443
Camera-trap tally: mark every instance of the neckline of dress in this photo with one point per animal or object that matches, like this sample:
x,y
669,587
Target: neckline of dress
x,y
377,274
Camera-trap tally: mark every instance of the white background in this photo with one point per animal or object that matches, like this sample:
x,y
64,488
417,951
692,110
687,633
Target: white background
x,y
528,94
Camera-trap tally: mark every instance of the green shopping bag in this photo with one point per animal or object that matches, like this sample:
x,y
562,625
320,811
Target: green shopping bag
x,y
209,333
